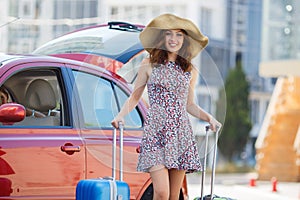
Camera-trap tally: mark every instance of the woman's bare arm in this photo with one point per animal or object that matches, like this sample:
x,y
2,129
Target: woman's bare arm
x,y
196,110
140,84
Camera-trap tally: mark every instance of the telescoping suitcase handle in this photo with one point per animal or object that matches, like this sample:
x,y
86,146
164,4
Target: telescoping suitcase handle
x,y
212,179
114,152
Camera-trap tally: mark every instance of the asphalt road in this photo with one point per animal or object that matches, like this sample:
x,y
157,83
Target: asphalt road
x,y
237,186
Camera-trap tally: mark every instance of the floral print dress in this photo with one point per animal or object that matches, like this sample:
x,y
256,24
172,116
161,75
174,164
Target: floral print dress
x,y
168,138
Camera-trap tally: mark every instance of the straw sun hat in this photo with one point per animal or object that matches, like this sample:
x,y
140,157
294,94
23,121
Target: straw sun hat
x,y
148,36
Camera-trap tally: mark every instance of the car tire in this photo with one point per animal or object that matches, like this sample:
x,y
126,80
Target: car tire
x,y
148,194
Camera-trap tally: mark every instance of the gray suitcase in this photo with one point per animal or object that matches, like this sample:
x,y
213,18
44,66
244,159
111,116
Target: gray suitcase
x,y
211,196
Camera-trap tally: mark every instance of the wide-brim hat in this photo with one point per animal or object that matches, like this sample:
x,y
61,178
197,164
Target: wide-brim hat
x,y
148,36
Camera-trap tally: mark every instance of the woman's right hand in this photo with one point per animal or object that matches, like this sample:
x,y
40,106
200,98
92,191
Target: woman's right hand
x,y
115,122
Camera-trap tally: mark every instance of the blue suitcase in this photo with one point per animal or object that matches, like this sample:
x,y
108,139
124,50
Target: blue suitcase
x,y
104,189
107,188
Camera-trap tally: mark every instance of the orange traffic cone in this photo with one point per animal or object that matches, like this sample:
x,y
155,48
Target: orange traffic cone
x,y
274,184
252,182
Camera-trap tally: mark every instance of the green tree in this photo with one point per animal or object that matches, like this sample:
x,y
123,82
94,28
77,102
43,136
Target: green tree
x,y
237,123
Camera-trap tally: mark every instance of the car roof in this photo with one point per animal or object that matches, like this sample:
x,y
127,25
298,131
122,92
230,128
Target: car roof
x,y
116,40
6,57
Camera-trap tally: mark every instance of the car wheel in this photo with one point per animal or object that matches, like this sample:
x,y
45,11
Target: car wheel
x,y
148,194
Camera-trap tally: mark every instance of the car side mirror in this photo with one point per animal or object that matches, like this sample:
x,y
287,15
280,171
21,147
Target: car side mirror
x,y
11,113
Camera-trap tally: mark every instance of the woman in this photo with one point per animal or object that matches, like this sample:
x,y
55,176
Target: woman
x,y
3,95
168,147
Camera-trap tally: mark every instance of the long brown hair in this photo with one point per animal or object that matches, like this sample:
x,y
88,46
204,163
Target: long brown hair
x,y
159,54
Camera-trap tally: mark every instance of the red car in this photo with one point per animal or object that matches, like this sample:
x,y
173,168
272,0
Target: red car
x,y
56,128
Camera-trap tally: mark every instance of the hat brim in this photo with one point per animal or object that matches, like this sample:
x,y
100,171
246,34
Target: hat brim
x,y
149,35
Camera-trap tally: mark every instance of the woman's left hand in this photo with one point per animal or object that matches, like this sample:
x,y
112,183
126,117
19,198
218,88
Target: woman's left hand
x,y
214,124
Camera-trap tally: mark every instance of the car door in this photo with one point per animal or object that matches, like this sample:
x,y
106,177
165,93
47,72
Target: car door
x,y
40,158
101,97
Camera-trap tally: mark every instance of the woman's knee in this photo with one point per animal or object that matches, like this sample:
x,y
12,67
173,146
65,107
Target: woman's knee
x,y
160,180
176,180
161,194
174,195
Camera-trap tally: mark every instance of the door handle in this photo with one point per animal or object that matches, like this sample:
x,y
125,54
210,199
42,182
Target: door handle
x,y
70,149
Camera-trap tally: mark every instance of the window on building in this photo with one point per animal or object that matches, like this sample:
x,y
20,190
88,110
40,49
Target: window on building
x,y
254,111
204,100
114,11
170,8
13,8
141,12
205,20
26,9
128,11
69,9
155,10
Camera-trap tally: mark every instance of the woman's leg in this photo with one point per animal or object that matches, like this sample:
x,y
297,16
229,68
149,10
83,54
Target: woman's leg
x,y
160,179
176,178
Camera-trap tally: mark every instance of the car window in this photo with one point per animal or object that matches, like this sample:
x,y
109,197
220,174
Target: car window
x,y
111,43
129,70
38,90
99,102
133,119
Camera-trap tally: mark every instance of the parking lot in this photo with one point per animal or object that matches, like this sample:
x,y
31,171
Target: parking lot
x,y
237,186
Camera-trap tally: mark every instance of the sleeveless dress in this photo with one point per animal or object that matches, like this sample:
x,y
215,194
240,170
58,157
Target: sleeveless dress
x,y
168,139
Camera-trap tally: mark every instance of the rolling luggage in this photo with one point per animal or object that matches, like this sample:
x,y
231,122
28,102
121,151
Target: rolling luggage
x,y
211,196
107,188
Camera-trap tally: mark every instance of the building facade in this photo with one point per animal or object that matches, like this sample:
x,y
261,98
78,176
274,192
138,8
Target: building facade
x,y
278,146
233,27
